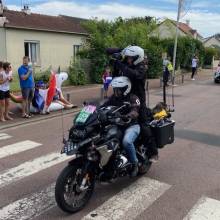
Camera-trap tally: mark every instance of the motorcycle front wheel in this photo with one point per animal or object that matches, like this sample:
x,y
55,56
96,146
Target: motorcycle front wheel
x,y
70,195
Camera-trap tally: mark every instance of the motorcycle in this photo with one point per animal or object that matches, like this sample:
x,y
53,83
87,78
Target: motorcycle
x,y
97,155
217,77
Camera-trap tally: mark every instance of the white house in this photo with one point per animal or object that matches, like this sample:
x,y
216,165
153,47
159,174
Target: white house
x,y
167,29
213,41
47,40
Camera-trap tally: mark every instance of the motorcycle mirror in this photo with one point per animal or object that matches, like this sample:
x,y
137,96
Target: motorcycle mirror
x,y
127,104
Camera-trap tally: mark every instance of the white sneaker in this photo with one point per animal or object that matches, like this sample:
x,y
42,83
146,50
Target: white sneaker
x,y
193,79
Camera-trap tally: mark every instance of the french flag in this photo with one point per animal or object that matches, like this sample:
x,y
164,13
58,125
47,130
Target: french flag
x,y
52,89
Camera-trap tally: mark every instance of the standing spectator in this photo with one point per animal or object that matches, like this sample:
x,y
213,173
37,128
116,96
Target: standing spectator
x,y
167,68
218,68
194,66
106,78
25,73
5,79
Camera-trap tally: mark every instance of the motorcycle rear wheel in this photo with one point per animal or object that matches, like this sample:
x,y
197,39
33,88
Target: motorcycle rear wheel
x,y
67,193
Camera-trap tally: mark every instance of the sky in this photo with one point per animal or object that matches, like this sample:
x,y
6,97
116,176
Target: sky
x,y
204,15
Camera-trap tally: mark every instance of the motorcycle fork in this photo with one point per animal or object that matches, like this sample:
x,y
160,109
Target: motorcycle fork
x,y
86,170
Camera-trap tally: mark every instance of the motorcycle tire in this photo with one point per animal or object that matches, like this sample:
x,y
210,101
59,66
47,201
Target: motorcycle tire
x,y
144,168
68,173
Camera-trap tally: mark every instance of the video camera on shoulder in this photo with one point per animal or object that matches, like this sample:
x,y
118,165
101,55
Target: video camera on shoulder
x,y
117,56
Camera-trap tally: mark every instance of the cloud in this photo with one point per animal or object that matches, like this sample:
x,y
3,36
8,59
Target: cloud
x,y
205,22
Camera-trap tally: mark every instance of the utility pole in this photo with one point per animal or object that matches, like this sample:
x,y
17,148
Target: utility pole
x,y
180,4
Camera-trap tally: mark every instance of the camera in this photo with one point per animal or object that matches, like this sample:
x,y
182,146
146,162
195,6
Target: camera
x,y
117,56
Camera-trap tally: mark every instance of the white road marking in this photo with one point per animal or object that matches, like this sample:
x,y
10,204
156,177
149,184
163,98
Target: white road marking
x,y
205,209
130,202
30,167
4,136
29,207
17,148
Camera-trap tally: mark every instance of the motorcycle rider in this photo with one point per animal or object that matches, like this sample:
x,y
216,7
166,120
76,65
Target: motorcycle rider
x,y
130,62
122,88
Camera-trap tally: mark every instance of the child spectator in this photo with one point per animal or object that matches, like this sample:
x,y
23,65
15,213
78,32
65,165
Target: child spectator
x,y
106,78
218,68
5,79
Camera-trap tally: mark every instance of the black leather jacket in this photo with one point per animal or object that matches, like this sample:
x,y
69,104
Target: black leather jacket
x,y
136,73
132,111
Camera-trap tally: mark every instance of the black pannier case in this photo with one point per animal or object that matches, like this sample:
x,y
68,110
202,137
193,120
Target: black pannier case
x,y
164,133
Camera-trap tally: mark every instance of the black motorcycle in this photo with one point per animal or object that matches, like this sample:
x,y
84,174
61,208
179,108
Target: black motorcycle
x,y
217,77
95,144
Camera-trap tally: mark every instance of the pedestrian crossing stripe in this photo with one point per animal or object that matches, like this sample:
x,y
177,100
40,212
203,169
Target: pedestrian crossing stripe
x,y
18,147
30,167
4,136
131,201
205,209
141,194
31,206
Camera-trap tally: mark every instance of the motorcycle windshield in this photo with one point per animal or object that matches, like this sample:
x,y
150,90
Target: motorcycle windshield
x,y
84,114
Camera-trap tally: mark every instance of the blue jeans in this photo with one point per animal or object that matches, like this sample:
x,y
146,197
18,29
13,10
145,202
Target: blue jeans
x,y
130,136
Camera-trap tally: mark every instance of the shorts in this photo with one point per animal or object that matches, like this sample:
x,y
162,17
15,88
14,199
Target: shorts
x,y
105,86
27,93
4,95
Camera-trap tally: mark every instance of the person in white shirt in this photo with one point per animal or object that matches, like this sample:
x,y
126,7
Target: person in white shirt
x,y
5,79
194,66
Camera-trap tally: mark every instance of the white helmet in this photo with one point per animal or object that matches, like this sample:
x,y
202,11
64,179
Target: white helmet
x,y
134,51
122,83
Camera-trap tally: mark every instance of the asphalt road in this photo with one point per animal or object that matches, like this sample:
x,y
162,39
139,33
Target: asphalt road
x,y
184,184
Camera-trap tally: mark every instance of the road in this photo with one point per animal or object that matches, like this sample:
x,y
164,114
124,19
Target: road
x,y
184,184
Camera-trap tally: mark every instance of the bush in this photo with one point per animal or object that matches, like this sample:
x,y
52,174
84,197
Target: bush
x,y
77,75
43,75
135,31
210,53
186,49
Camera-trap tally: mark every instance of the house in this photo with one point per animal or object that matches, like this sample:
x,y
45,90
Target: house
x,y
47,40
213,41
167,29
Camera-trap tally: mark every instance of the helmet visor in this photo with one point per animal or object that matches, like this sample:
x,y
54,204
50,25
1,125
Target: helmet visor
x,y
119,92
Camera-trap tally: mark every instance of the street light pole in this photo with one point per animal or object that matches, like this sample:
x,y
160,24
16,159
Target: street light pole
x,y
176,39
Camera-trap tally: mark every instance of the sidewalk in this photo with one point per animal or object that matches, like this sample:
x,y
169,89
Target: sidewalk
x,y
79,94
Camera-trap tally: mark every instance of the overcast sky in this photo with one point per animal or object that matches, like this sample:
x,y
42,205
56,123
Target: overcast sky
x,y
204,15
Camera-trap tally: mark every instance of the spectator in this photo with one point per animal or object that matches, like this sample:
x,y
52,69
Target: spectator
x,y
5,79
218,68
194,66
59,98
25,73
106,78
167,68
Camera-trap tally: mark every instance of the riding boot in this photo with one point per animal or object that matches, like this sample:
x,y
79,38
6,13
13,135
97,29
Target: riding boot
x,y
134,170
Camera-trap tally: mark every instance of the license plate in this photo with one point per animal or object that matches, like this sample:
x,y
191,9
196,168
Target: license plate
x,y
69,148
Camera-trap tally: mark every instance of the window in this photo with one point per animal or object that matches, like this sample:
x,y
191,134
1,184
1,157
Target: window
x,y
76,49
32,50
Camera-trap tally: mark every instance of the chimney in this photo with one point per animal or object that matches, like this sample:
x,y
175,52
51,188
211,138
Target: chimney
x,y
1,8
3,19
188,22
26,9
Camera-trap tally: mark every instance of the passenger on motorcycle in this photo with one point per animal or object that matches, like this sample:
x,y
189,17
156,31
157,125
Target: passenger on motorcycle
x,y
132,64
122,87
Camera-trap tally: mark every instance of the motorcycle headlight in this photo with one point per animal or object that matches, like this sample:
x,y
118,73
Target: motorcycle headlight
x,y
76,134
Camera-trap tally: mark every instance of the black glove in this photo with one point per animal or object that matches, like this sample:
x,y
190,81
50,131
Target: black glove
x,y
103,118
112,62
121,66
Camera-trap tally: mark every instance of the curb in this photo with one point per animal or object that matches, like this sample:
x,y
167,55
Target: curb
x,y
38,119
66,112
